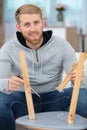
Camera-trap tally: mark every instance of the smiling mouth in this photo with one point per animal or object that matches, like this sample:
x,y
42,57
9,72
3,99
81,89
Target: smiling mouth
x,y
34,36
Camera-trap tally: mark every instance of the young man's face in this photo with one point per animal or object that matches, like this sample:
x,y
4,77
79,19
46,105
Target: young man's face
x,y
31,27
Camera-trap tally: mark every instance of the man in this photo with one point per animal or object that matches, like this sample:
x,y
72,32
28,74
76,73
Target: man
x,y
46,57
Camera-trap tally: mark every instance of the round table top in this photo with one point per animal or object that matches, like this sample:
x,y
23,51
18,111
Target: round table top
x,y
53,121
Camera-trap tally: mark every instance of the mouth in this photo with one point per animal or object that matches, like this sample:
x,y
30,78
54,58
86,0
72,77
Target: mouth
x,y
34,35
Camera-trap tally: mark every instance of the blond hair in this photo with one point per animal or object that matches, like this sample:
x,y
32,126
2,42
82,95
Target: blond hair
x,y
27,9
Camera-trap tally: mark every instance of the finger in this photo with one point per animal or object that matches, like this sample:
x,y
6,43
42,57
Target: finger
x,y
14,88
15,78
16,81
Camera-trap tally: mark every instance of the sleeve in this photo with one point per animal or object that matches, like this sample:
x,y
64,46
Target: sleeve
x,y
5,69
69,57
84,82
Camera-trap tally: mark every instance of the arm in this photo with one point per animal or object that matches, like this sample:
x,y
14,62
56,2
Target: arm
x,y
5,67
8,82
69,60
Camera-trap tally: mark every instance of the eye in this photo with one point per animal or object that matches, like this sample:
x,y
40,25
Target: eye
x,y
36,22
26,24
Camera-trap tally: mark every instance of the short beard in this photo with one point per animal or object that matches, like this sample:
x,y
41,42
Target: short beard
x,y
35,41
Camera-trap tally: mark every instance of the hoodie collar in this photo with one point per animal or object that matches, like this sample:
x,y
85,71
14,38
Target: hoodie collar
x,y
46,37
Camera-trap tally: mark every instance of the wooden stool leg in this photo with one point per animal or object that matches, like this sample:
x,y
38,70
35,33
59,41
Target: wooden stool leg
x,y
27,86
76,90
66,80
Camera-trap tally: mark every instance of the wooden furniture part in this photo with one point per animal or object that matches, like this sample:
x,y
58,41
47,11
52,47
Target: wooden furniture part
x,y
52,121
66,80
68,77
55,120
76,89
27,86
75,94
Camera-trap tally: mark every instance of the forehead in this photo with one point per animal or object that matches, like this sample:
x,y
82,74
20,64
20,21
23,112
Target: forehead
x,y
29,18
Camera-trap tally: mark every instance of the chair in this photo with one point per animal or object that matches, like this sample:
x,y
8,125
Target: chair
x,y
59,120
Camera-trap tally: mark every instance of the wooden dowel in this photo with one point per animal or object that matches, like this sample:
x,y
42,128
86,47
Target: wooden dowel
x,y
67,79
76,90
27,86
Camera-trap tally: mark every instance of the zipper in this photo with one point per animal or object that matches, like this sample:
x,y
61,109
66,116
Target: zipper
x,y
37,57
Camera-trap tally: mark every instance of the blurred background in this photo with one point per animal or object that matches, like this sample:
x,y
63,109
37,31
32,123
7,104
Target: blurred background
x,y
67,18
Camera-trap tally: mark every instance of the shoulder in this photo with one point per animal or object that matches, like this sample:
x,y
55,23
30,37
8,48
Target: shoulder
x,y
6,46
63,47
61,42
10,45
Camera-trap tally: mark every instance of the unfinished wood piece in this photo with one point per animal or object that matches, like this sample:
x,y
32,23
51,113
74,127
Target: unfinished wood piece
x,y
76,89
68,77
66,80
27,86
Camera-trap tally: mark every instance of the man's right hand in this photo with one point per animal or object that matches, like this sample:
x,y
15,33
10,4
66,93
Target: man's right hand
x,y
15,83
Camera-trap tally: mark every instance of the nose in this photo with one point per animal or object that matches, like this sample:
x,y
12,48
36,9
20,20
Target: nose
x,y
32,27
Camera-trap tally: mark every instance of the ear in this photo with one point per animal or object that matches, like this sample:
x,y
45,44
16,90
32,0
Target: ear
x,y
18,27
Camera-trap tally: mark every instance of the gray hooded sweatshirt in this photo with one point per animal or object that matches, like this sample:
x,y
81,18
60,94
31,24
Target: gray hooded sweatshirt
x,y
45,66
